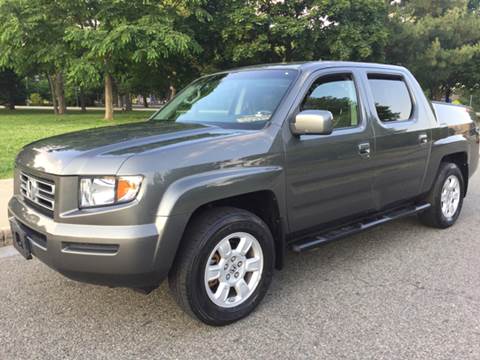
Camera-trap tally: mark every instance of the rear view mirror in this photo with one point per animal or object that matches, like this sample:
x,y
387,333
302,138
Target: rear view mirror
x,y
314,122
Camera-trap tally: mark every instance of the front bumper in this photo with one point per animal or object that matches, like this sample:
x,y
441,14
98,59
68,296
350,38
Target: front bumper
x,y
128,256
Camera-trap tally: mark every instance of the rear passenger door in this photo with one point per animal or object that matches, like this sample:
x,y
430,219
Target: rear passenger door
x,y
402,136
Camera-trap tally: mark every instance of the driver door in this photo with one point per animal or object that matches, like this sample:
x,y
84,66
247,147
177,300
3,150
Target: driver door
x,y
330,177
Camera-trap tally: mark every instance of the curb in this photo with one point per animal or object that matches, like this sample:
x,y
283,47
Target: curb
x,y
5,237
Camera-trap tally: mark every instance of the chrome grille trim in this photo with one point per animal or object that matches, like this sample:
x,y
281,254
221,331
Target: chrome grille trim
x,y
41,192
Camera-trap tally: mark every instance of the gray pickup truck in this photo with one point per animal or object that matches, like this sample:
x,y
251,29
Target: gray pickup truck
x,y
240,166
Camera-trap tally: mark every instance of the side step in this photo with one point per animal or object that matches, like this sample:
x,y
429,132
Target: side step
x,y
306,244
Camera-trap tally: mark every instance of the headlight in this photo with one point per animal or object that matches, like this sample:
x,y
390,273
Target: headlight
x,y
108,190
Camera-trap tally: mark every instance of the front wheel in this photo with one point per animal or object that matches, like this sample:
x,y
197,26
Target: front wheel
x,y
446,197
224,265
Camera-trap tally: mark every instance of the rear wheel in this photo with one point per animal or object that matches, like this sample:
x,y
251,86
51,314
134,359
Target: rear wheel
x,y
224,266
446,197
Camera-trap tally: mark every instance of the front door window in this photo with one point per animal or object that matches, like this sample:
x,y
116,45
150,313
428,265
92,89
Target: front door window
x,y
336,94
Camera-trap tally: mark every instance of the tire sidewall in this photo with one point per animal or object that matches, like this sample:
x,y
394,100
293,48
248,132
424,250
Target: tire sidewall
x,y
449,169
199,300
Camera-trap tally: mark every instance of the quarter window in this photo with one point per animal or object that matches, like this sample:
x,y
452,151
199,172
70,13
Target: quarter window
x,y
336,94
392,98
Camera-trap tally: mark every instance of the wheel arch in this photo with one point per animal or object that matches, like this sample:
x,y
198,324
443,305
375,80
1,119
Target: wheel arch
x,y
454,149
259,190
263,204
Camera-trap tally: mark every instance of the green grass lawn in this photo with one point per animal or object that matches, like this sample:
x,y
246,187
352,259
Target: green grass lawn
x,y
20,127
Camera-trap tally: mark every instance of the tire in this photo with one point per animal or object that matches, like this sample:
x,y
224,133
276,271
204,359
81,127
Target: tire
x,y
435,216
205,241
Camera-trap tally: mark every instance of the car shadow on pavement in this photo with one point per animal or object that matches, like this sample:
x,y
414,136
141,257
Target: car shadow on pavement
x,y
306,273
361,285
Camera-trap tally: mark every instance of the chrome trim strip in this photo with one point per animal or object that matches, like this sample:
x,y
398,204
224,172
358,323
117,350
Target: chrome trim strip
x,y
47,183
44,197
66,250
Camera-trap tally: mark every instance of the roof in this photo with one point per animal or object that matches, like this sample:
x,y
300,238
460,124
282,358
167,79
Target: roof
x,y
315,65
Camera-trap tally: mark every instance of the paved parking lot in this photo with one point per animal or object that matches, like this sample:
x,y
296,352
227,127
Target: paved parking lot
x,y
401,291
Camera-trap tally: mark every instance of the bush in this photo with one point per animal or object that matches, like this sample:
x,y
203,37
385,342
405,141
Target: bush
x,y
35,99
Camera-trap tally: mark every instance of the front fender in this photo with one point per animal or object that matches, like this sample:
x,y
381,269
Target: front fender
x,y
186,195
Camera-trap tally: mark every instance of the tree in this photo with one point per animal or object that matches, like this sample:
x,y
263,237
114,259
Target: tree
x,y
110,34
270,31
31,42
12,90
261,31
441,45
435,8
155,47
356,31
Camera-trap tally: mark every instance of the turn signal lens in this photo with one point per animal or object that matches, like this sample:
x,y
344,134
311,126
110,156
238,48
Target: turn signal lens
x,y
128,187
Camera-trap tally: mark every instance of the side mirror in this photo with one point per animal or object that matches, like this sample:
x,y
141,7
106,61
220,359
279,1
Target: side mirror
x,y
314,122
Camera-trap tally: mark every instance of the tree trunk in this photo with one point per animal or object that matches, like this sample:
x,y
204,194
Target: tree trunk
x,y
288,53
53,93
128,102
121,101
60,92
145,102
448,92
83,107
173,92
108,97
437,94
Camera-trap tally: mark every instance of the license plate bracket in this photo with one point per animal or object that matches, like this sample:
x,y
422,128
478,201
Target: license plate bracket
x,y
20,240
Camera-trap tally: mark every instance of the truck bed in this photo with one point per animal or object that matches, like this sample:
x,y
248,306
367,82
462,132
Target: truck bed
x,y
452,114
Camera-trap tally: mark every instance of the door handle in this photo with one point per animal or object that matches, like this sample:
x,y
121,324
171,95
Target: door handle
x,y
423,138
364,150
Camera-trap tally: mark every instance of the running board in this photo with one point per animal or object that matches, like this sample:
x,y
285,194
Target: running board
x,y
337,233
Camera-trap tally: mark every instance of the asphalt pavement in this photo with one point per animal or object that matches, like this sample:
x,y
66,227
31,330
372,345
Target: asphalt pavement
x,y
400,291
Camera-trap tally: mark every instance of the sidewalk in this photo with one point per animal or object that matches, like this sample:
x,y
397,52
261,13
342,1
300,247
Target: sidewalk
x,y
6,191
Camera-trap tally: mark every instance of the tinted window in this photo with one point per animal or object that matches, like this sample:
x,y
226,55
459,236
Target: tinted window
x,y
392,99
336,94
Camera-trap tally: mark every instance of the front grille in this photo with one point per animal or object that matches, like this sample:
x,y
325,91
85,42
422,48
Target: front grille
x,y
38,191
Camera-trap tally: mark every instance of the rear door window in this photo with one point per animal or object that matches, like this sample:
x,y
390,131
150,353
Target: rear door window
x,y
392,98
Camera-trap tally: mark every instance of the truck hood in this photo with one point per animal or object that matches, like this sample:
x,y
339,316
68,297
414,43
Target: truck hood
x,y
103,150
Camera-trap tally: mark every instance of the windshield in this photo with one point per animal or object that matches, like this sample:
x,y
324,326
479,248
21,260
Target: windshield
x,y
245,99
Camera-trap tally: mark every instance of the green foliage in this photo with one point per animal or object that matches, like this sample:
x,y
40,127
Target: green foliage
x,y
37,84
269,30
435,8
155,46
12,89
31,36
439,42
36,99
470,97
113,35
